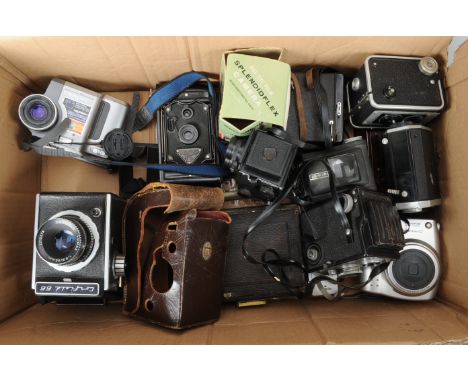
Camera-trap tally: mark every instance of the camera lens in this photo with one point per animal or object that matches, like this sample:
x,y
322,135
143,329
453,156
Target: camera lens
x,y
235,152
188,134
64,241
187,113
37,112
415,272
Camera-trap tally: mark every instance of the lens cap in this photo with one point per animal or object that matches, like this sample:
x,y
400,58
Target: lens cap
x,y
414,270
118,145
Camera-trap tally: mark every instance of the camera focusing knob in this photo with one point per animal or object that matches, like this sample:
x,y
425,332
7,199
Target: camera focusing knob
x,y
119,266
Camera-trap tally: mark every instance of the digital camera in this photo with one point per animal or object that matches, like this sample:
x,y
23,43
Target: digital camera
x,y
262,162
416,274
77,247
92,116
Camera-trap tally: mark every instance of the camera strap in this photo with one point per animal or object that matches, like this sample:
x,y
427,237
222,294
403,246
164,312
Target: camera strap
x,y
168,92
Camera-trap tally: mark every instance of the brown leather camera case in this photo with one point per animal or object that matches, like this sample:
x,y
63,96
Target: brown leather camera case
x,y
175,252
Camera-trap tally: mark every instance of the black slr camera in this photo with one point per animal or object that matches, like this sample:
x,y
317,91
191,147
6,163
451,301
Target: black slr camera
x,y
77,247
262,162
187,135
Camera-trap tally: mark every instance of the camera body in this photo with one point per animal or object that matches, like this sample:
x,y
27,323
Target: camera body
x,y
375,225
262,162
77,247
92,116
350,164
186,133
416,274
391,89
410,168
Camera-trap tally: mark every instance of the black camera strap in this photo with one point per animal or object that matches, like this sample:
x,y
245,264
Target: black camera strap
x,y
270,258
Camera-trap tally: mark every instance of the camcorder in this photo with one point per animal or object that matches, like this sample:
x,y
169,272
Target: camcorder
x,y
70,120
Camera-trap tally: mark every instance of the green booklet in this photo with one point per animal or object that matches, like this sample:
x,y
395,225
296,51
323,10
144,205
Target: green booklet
x,y
255,91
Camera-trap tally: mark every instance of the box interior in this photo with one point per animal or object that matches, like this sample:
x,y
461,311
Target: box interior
x,y
120,65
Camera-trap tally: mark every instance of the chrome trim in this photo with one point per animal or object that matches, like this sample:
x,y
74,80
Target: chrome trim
x,y
107,242
418,206
67,294
36,222
408,127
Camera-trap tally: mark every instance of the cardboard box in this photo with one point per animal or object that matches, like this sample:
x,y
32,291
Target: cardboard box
x,y
255,90
120,64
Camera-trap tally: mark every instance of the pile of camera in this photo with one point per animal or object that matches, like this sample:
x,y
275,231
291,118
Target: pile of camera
x,y
365,193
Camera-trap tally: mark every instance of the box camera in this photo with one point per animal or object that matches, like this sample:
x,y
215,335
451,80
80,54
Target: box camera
x,y
186,134
350,164
77,247
415,275
410,168
375,230
262,162
92,117
389,90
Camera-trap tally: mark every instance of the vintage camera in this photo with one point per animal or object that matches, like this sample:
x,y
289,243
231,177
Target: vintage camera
x,y
244,281
350,164
415,275
410,168
186,134
77,247
389,90
262,162
375,231
92,117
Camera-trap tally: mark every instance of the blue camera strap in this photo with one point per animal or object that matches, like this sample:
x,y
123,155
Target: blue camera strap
x,y
168,92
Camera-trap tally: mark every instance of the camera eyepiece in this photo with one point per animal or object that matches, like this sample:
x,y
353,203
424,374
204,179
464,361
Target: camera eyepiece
x,y
64,240
37,112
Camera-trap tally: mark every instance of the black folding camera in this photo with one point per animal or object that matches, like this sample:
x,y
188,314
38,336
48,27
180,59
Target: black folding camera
x,y
350,165
244,281
186,134
389,90
375,230
77,247
262,162
410,168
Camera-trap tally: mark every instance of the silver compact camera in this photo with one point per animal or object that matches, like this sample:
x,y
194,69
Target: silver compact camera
x,y
416,274
92,116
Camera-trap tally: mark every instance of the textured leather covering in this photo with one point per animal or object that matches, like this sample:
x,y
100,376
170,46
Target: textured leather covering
x,y
175,254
